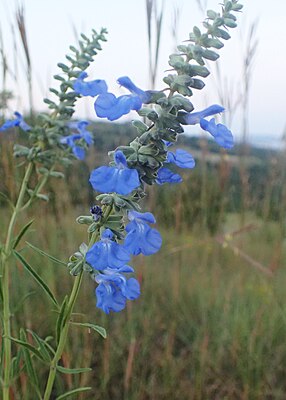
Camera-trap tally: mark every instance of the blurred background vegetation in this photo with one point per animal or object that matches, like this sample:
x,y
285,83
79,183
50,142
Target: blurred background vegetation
x,y
211,320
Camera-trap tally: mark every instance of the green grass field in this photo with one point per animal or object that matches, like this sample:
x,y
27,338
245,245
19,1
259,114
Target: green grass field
x,y
208,324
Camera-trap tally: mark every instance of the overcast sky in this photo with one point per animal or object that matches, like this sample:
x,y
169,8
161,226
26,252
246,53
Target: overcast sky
x,y
51,25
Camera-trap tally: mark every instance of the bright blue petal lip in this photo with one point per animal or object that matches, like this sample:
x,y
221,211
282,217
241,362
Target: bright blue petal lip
x,y
111,107
144,217
194,118
221,134
111,179
91,88
181,158
165,175
107,254
113,291
119,179
141,238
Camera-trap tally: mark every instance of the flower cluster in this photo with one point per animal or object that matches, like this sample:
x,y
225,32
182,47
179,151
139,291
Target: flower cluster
x,y
107,105
109,259
125,231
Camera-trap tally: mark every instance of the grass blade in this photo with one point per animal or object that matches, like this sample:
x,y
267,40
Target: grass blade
x,y
37,277
74,391
43,253
22,233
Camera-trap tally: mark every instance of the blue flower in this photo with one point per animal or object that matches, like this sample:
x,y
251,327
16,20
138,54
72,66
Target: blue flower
x,y
119,179
126,82
114,289
165,175
194,118
106,253
111,107
140,237
221,134
71,140
92,88
85,134
181,158
18,121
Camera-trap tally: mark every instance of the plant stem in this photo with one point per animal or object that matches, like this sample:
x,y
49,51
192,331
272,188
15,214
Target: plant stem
x,y
70,306
63,337
6,307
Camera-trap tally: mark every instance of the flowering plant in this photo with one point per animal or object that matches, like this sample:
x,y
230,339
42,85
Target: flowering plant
x,y
117,227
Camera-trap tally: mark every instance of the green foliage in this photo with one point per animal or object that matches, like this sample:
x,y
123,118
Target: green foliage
x,y
37,277
96,328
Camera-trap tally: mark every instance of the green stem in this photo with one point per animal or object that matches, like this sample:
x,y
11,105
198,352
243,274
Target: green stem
x,y
70,306
63,337
6,306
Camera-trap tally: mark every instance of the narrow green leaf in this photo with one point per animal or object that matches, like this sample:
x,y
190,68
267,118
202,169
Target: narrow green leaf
x,y
22,233
42,345
72,370
28,364
28,346
74,391
61,318
97,328
15,367
37,277
43,253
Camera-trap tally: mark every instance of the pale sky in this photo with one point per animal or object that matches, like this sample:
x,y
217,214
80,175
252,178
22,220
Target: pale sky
x,y
50,32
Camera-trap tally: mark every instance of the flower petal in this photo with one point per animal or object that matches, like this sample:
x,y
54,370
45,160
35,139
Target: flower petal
x,y
221,134
111,107
108,254
181,158
111,179
194,118
91,88
142,239
165,175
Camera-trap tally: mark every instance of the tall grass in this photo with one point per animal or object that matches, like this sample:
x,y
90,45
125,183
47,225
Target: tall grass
x,y
207,325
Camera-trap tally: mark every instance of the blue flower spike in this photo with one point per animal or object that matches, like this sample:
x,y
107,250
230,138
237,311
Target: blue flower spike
x,y
18,121
113,291
140,237
119,179
91,88
107,253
